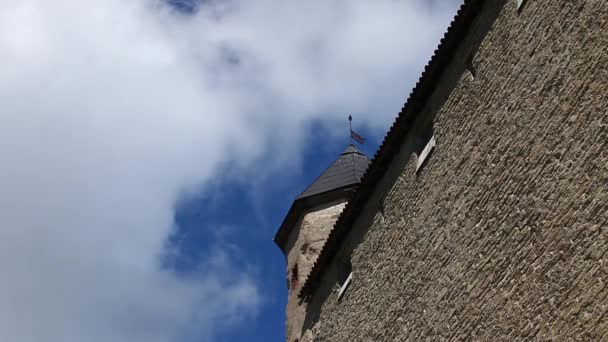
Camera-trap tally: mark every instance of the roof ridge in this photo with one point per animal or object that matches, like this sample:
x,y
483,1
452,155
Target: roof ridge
x,y
352,149
340,167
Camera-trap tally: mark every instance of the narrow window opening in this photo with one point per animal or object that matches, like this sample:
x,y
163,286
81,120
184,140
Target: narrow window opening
x,y
430,146
422,139
381,207
520,5
425,144
294,277
345,276
471,67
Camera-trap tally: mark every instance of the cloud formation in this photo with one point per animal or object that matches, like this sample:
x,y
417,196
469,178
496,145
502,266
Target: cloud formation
x,y
110,109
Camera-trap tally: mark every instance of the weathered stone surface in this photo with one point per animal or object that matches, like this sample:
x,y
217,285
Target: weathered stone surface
x,y
303,246
503,234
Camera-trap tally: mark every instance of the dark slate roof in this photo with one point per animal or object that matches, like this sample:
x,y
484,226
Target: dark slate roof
x,y
346,170
338,181
392,141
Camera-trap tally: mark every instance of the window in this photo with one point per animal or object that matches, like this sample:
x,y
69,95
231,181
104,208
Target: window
x,y
520,5
294,277
470,67
345,276
425,153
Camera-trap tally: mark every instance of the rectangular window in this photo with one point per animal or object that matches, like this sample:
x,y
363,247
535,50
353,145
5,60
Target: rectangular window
x,y
345,286
520,4
345,275
425,152
294,277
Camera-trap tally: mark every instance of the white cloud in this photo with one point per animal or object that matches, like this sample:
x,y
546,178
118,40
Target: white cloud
x,y
109,109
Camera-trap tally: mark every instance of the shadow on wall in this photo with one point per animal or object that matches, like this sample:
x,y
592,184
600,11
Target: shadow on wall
x,y
339,278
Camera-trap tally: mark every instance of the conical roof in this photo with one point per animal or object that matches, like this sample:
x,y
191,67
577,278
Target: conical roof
x,y
336,182
346,170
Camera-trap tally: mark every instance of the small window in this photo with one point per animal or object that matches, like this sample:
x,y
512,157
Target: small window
x,y
520,5
424,154
422,138
294,277
381,207
470,67
345,276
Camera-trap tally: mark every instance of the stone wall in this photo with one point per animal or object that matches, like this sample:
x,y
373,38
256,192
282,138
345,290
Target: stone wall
x,y
303,246
503,234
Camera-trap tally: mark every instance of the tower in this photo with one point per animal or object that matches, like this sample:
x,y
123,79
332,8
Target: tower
x,y
308,223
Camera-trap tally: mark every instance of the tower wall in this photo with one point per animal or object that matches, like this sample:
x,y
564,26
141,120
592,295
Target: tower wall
x,y
502,234
303,245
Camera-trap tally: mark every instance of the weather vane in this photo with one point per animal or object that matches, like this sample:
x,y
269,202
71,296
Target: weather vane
x,y
353,135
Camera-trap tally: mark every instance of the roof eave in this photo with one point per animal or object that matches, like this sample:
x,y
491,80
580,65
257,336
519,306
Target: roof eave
x,y
301,204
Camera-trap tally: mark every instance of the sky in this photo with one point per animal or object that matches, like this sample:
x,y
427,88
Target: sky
x,y
150,149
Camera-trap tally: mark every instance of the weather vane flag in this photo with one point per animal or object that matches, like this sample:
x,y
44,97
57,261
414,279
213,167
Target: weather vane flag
x,y
353,135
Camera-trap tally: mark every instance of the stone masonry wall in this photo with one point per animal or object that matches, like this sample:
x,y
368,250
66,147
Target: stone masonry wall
x,y
303,246
503,235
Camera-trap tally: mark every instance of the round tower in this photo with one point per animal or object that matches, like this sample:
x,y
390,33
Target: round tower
x,y
308,223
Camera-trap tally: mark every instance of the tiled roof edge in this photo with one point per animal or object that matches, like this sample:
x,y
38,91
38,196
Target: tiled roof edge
x,y
299,205
433,71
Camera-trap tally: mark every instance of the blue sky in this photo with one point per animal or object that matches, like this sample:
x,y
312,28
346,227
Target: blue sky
x,y
248,218
150,150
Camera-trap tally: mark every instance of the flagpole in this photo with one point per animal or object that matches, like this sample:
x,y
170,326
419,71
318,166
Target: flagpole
x,y
350,123
350,133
